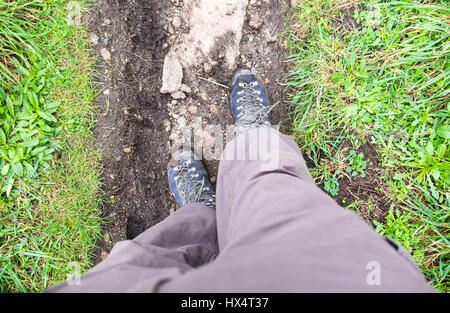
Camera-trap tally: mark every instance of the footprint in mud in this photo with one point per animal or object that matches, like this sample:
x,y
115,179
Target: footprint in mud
x,y
137,125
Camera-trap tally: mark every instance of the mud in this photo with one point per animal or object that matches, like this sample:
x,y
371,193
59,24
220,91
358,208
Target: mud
x,y
137,125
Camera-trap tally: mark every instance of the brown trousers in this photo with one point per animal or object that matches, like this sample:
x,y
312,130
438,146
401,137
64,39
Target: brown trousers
x,y
273,230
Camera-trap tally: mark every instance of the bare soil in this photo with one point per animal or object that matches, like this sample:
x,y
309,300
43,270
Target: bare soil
x,y
135,121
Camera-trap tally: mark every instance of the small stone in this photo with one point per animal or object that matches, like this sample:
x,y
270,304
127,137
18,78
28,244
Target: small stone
x,y
106,55
213,108
106,21
166,123
207,67
192,109
177,22
185,88
266,81
106,41
182,110
106,92
296,3
268,36
171,39
127,150
255,21
178,95
94,38
125,111
181,122
106,237
248,64
172,74
174,102
104,255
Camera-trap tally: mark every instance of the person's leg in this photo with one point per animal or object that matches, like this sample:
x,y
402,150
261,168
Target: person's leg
x,y
277,230
185,240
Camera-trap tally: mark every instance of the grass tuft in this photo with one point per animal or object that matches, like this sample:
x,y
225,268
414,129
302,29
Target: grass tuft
x,y
49,160
375,73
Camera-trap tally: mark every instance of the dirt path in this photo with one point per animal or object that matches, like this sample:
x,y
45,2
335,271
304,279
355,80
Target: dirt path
x,y
139,42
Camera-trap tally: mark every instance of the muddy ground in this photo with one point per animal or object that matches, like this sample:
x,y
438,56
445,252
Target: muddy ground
x,y
137,124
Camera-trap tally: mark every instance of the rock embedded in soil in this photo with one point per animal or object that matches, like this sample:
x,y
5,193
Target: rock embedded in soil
x,y
185,88
172,73
214,25
178,95
255,21
207,68
177,22
106,55
93,38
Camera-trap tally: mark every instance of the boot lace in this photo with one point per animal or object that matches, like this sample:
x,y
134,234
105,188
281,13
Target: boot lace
x,y
252,112
193,190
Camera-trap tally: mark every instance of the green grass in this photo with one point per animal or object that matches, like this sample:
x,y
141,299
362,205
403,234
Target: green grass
x,y
49,161
383,82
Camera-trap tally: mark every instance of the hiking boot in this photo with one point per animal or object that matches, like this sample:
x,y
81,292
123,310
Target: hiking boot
x,y
249,102
189,181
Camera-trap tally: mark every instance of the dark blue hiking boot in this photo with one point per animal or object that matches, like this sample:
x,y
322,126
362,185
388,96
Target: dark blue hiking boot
x,y
189,181
249,102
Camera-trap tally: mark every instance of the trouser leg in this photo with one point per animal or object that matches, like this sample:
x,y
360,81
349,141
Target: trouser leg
x,y
278,232
183,241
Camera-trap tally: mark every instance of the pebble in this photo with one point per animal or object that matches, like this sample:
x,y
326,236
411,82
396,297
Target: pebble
x,y
127,150
174,102
106,55
185,88
181,122
207,67
171,39
177,22
106,21
178,95
94,38
255,21
104,255
213,108
192,109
